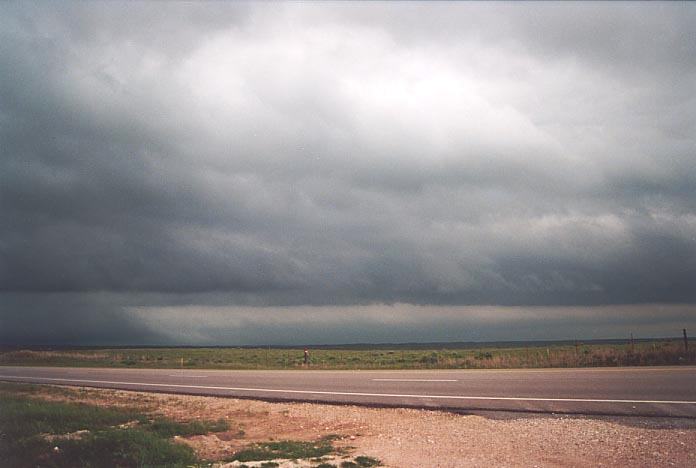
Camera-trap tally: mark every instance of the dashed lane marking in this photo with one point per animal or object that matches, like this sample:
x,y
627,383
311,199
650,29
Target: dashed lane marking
x,y
415,380
323,392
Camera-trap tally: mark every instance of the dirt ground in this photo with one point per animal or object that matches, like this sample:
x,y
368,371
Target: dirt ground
x,y
403,438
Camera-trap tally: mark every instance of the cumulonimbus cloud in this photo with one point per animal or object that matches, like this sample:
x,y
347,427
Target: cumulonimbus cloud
x,y
338,155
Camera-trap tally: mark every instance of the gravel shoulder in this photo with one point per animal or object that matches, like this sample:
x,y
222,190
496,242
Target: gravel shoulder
x,y
415,438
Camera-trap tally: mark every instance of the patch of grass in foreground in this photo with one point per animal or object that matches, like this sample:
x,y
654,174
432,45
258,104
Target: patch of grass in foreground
x,y
167,428
296,450
285,449
23,417
25,421
364,461
122,448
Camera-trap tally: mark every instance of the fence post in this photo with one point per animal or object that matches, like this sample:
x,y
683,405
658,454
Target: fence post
x,y
576,353
686,341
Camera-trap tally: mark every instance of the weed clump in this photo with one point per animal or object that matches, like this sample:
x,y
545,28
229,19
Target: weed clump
x,y
364,461
284,449
167,428
123,448
56,434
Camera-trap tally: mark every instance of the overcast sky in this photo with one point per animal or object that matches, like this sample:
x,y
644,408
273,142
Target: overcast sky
x,y
297,173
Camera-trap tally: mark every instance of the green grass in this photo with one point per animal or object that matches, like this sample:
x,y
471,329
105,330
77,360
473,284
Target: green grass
x,y
168,428
25,417
26,422
55,434
284,449
315,452
641,353
364,461
124,448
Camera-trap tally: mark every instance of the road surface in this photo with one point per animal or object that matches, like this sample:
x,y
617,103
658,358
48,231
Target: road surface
x,y
645,391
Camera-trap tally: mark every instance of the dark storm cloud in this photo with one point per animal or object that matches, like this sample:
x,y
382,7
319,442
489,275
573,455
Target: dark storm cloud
x,y
64,319
157,155
407,323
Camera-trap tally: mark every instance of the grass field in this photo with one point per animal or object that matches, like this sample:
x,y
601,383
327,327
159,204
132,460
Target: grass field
x,y
640,353
44,426
35,432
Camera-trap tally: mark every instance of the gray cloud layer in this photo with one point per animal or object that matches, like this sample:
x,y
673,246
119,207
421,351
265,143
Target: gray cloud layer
x,y
166,155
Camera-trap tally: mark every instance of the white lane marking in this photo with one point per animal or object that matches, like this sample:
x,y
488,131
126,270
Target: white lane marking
x,y
415,380
184,375
322,392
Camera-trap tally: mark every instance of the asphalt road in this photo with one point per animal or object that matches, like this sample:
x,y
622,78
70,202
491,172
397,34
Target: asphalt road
x,y
645,391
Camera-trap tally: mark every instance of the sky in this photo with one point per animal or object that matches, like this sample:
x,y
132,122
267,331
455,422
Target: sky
x,y
317,173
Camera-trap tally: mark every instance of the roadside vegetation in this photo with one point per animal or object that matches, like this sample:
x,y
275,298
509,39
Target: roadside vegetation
x,y
466,356
45,426
286,449
35,432
318,454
